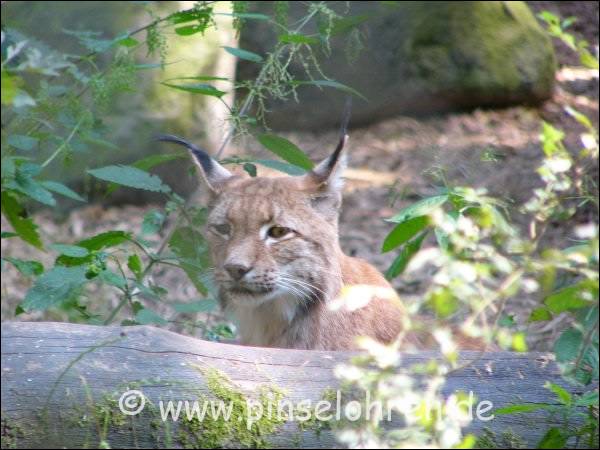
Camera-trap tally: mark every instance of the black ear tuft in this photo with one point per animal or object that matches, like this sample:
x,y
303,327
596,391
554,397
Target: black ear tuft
x,y
203,158
327,167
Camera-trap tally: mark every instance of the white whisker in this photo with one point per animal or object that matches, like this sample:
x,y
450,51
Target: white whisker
x,y
291,289
303,284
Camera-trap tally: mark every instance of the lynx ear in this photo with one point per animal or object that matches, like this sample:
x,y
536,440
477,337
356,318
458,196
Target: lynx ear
x,y
213,174
324,183
327,175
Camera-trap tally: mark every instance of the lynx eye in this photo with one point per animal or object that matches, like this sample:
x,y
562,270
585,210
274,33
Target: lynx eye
x,y
277,232
222,228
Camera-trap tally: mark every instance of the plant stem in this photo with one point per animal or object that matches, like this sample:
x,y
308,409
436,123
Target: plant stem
x,y
258,84
64,145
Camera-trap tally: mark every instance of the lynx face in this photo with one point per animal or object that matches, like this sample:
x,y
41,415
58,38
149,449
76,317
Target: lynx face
x,y
273,239
270,238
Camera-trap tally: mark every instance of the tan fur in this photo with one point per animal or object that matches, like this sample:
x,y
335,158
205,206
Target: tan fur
x,y
298,316
298,289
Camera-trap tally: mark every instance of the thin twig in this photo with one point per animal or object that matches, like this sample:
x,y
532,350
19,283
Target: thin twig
x,y
62,146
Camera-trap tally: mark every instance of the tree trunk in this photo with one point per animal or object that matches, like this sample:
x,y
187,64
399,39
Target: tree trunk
x,y
62,383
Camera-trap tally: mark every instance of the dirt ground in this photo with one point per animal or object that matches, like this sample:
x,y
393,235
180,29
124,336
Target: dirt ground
x,y
392,164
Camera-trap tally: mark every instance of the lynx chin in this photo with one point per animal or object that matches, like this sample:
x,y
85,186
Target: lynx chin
x,y
278,263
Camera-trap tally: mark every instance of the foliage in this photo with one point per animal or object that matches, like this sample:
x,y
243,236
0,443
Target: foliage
x,y
53,110
480,262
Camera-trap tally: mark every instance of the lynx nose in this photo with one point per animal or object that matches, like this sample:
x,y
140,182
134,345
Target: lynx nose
x,y
237,271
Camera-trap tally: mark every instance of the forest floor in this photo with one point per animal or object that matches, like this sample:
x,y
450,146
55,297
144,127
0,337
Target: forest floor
x,y
392,164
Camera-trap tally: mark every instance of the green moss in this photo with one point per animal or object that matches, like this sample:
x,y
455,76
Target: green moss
x,y
97,419
11,432
486,49
239,428
507,439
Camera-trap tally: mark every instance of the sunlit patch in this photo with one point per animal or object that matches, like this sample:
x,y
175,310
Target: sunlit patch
x,y
356,296
448,347
385,355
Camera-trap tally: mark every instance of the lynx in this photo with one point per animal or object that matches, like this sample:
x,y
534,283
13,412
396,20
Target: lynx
x,y
278,263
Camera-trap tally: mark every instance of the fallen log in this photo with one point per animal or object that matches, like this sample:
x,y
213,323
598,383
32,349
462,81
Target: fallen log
x,y
64,385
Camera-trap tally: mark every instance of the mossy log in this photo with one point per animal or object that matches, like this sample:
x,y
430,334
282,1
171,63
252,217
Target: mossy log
x,y
61,386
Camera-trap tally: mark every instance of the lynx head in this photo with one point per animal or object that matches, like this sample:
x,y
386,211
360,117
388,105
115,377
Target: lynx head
x,y
273,237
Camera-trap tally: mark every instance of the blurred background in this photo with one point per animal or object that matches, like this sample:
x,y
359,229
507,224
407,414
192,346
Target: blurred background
x,y
450,93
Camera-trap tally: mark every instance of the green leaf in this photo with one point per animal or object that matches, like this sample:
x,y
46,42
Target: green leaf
x,y
587,59
188,30
189,15
204,305
285,150
54,287
521,408
105,240
220,331
240,15
290,169
153,222
403,232
61,189
421,208
331,84
587,399
572,297
197,88
150,66
519,343
22,142
146,316
189,246
74,251
111,278
347,23
579,117
243,54
128,41
93,244
562,394
148,163
507,321
27,268
553,439
540,314
152,161
131,177
96,141
549,18
199,78
9,89
441,236
27,185
135,265
23,226
567,345
89,39
408,251
148,291
551,139
443,302
296,38
250,169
